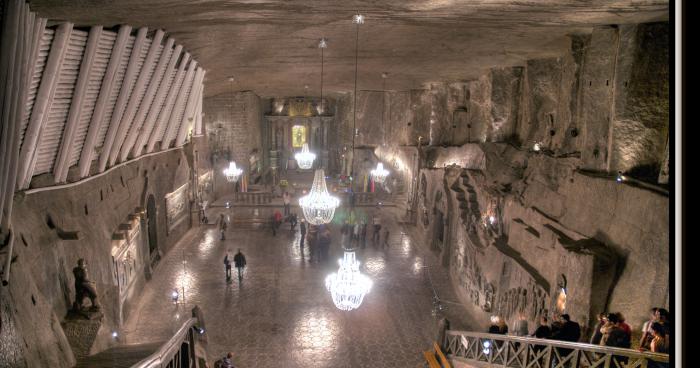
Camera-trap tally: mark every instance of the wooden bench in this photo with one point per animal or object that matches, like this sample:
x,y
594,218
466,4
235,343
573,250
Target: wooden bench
x,y
432,356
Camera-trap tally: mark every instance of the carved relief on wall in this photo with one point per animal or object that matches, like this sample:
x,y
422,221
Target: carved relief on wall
x,y
126,257
176,206
530,301
480,291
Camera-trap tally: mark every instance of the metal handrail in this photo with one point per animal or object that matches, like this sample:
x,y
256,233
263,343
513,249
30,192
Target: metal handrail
x,y
169,349
517,351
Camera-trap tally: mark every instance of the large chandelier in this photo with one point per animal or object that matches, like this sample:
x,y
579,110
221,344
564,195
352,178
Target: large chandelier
x,y
318,205
232,173
380,173
348,286
305,159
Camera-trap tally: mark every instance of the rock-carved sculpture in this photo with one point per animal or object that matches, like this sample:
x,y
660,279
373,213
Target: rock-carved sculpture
x,y
84,288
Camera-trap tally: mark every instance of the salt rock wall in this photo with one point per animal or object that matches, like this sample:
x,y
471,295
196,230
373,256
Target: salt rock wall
x,y
41,289
525,228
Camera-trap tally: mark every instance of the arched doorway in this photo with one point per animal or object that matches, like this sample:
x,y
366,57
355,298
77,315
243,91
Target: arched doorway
x,y
152,215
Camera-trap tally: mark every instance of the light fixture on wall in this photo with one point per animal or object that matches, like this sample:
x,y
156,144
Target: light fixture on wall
x,y
232,172
318,206
305,158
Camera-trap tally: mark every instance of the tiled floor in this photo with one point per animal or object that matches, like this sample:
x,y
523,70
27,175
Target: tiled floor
x,y
281,315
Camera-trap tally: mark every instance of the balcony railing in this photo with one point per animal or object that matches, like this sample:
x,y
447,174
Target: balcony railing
x,y
489,350
178,352
252,197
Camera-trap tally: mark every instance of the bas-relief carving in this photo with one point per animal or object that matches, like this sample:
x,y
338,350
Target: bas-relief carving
x,y
530,301
176,206
476,286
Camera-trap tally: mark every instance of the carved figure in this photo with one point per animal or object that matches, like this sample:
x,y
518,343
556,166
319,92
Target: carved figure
x,y
84,287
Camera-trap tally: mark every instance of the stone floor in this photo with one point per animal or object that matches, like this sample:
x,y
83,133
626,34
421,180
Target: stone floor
x,y
281,315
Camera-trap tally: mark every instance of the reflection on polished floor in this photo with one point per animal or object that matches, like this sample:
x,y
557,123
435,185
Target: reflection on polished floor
x,y
281,315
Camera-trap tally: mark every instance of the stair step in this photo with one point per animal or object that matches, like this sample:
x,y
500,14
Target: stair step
x,y
119,357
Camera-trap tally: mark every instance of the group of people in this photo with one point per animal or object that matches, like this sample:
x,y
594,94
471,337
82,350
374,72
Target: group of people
x,y
357,230
239,262
611,330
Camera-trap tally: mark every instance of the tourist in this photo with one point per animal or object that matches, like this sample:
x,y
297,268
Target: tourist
x,y
355,234
302,232
625,327
502,326
278,219
568,331
227,265
493,329
597,335
659,342
386,238
287,199
377,224
363,232
292,221
324,242
222,226
662,317
613,334
543,331
521,326
647,336
227,362
240,263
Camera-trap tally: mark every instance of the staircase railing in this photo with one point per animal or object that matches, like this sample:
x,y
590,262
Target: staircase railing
x,y
489,350
178,352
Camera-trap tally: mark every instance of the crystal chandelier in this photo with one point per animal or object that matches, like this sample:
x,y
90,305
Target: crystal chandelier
x,y
232,173
305,159
379,174
318,205
348,286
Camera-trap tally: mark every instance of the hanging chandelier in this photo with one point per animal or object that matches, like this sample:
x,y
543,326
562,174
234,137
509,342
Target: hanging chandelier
x,y
380,173
232,172
305,158
319,206
348,286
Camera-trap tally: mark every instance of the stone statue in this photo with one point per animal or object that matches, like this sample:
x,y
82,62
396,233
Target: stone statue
x,y
84,287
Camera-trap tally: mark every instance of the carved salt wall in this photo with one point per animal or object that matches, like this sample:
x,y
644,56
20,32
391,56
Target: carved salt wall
x,y
526,235
41,283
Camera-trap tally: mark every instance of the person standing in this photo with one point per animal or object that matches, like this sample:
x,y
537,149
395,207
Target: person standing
x,y
222,226
645,341
613,334
227,362
596,336
286,198
386,238
240,263
227,264
521,326
377,224
292,222
302,231
277,221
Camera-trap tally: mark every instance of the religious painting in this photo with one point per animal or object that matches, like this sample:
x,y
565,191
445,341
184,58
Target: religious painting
x,y
298,136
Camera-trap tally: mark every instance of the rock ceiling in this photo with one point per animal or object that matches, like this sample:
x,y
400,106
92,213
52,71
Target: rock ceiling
x,y
270,46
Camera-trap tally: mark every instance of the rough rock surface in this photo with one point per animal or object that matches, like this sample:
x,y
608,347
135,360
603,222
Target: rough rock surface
x,y
270,46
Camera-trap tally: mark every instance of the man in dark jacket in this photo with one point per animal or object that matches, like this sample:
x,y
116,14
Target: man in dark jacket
x,y
569,331
239,262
